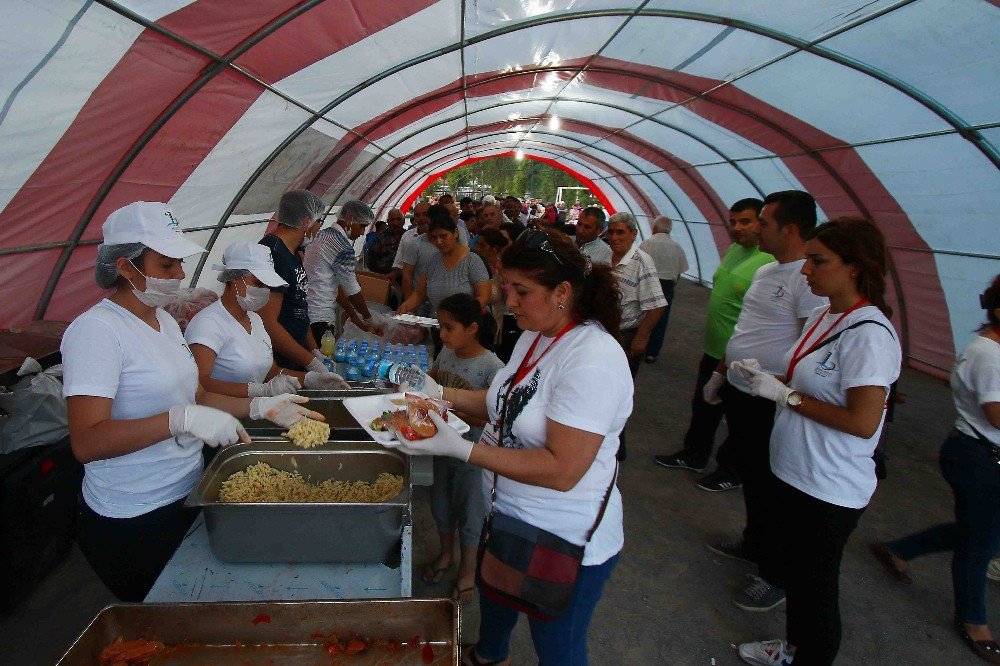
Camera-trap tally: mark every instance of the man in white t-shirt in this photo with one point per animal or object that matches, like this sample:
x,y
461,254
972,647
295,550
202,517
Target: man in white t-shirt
x,y
775,308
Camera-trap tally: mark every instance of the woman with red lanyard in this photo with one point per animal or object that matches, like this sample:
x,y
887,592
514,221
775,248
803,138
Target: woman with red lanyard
x,y
831,409
970,462
554,413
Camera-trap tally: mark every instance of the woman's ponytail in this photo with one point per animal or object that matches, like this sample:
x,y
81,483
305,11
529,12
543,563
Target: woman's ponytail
x,y
600,298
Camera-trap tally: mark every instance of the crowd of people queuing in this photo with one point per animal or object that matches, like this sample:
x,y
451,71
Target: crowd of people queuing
x,y
536,305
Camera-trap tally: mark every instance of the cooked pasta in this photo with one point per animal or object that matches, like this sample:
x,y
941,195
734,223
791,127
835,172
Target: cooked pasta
x,y
308,433
263,483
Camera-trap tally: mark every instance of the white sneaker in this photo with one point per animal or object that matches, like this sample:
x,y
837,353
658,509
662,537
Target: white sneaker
x,y
993,569
766,653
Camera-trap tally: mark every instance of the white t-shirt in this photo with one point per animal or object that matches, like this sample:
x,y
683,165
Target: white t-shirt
x,y
582,382
825,463
975,381
776,301
240,357
110,353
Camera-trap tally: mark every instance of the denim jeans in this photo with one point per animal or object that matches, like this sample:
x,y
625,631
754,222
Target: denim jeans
x,y
656,337
558,642
975,535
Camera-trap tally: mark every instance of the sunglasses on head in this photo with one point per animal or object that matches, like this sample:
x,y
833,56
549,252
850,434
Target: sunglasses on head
x,y
533,239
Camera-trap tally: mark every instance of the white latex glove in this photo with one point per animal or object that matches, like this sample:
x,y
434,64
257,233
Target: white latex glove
x,y
430,388
710,392
745,367
766,385
285,410
317,365
279,384
325,380
447,442
212,426
318,354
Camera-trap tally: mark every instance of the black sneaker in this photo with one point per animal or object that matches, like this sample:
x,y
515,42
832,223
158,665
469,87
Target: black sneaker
x,y
677,461
732,548
718,481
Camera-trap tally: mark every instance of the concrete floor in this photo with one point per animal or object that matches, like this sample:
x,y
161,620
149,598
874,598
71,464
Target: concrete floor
x,y
668,601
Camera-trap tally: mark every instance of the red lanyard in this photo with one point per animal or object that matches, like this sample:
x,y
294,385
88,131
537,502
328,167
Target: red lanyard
x,y
796,356
525,367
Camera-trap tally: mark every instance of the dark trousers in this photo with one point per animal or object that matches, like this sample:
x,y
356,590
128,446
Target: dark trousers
x,y
813,534
656,337
128,554
625,338
700,437
974,537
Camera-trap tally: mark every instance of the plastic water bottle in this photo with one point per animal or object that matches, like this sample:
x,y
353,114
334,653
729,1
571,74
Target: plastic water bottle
x,y
352,374
352,344
370,368
352,356
329,364
340,355
422,349
397,373
328,344
425,364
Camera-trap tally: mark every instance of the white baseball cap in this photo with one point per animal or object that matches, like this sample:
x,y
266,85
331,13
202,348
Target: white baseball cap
x,y
151,224
253,257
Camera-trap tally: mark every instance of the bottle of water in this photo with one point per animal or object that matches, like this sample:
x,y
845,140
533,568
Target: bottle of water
x,y
397,373
425,364
422,349
353,344
370,368
340,355
352,356
352,374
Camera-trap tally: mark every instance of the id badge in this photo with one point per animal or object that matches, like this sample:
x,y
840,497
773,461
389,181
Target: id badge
x,y
489,436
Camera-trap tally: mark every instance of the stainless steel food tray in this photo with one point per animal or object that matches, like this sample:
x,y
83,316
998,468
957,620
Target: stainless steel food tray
x,y
328,403
305,532
293,633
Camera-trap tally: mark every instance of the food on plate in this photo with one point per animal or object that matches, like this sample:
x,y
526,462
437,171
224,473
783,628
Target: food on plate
x,y
414,422
131,653
263,483
308,433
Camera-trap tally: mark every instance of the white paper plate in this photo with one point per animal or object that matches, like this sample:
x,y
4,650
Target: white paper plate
x,y
426,322
366,408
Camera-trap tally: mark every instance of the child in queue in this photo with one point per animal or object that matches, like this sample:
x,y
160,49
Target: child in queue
x,y
457,502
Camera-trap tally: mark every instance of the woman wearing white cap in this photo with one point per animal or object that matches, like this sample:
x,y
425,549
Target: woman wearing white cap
x,y
228,339
137,413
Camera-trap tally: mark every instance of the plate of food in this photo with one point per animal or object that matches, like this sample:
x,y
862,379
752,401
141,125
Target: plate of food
x,y
407,413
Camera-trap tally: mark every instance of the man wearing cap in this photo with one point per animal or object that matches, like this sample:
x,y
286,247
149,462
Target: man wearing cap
x,y
138,416
329,263
228,338
286,315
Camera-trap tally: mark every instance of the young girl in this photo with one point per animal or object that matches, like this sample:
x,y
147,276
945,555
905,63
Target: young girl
x,y
457,501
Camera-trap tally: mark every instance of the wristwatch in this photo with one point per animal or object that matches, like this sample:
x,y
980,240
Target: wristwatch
x,y
794,400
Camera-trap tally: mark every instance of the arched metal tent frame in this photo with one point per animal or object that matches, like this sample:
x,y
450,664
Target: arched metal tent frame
x,y
222,63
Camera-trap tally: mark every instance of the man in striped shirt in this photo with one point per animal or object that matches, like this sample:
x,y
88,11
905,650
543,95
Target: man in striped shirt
x,y
642,297
329,263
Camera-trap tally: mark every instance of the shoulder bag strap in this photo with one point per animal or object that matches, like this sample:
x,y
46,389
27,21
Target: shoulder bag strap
x,y
604,505
834,337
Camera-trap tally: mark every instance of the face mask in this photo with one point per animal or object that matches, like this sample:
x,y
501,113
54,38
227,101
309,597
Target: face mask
x,y
255,299
158,292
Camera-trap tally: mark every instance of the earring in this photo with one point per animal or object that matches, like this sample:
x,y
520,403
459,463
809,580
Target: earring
x,y
562,306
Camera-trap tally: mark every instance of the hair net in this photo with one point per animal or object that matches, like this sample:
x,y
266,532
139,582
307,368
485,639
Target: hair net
x,y
299,207
230,274
106,268
624,218
362,213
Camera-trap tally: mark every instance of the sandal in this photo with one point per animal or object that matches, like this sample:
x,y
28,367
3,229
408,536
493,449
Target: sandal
x,y
883,554
987,650
469,658
432,576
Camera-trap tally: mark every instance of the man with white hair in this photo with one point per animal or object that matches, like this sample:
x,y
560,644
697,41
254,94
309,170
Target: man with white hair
x,y
329,262
670,261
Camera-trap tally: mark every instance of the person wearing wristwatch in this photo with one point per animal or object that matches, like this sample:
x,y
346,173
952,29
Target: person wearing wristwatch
x,y
831,408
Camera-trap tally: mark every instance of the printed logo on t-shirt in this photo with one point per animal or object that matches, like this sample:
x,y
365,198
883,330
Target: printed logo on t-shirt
x,y
826,367
301,280
190,353
172,222
779,293
518,400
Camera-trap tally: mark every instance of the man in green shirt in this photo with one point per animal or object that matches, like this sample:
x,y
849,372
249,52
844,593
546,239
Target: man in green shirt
x,y
729,284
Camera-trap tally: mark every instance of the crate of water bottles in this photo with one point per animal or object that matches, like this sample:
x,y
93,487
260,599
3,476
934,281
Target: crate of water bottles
x,y
364,360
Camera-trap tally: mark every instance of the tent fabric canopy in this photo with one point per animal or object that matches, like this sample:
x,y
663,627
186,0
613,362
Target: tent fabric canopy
x,y
882,109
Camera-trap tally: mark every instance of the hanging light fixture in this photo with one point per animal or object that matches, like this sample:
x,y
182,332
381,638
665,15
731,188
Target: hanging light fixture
x,y
519,155
554,123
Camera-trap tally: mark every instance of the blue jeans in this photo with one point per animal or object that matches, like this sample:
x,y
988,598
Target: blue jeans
x,y
975,535
656,337
558,642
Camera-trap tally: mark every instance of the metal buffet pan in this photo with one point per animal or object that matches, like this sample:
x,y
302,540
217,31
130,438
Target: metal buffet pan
x,y
331,405
284,632
308,531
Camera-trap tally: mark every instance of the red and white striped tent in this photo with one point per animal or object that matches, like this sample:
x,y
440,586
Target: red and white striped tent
x,y
881,108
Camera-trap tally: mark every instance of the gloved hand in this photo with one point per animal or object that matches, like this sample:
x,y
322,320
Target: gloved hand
x,y
430,387
279,384
319,355
325,380
212,426
317,365
745,367
447,442
765,385
710,392
284,410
